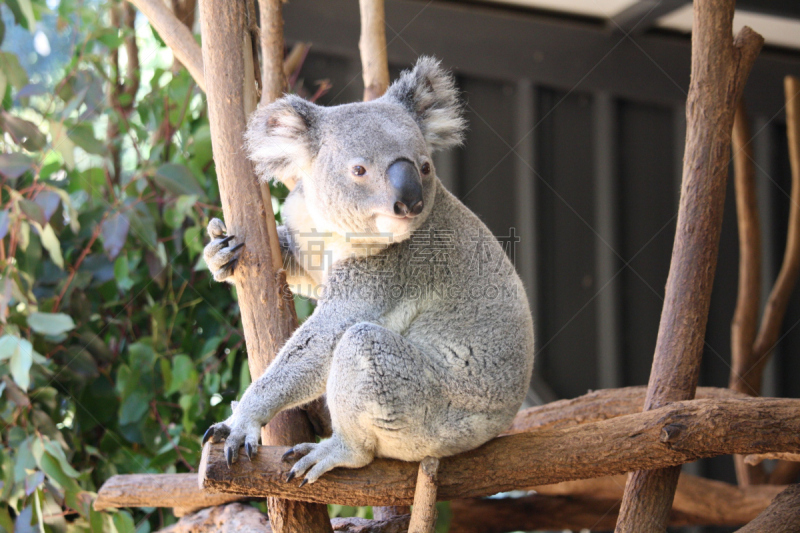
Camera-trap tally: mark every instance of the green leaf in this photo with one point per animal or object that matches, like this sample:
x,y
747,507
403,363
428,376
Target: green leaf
x,y
33,211
23,13
122,273
123,522
178,180
8,345
12,166
114,232
51,244
184,375
133,407
55,449
24,133
20,364
52,467
83,135
51,323
13,72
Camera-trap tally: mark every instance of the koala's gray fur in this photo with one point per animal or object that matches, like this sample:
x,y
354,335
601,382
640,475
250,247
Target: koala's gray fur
x,y
422,337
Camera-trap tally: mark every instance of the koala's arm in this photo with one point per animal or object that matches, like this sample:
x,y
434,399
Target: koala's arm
x,y
297,375
298,279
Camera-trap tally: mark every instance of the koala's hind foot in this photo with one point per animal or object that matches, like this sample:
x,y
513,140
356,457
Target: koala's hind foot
x,y
221,254
237,431
316,459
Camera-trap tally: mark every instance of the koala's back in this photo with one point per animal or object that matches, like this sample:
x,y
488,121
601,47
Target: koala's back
x,y
451,292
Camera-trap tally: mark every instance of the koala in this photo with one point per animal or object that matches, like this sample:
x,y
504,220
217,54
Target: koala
x,y
422,338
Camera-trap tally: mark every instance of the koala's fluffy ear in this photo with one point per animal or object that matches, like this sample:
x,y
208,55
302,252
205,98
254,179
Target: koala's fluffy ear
x,y
281,140
429,93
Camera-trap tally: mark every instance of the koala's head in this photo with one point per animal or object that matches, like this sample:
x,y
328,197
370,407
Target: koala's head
x,y
364,167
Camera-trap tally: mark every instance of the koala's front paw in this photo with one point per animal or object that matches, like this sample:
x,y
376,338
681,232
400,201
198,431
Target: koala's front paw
x,y
235,431
221,257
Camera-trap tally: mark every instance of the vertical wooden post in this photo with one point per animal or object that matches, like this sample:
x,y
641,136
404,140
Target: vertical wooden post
x,y
372,45
720,67
268,317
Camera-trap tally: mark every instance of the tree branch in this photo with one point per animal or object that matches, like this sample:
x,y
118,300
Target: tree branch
x,y
177,36
268,319
423,514
372,45
669,436
720,69
782,516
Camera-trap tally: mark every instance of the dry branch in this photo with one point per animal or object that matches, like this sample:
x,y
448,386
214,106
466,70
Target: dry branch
x,y
177,36
372,45
231,518
758,458
782,516
268,319
423,514
596,406
273,80
748,302
720,68
696,429
157,490
705,501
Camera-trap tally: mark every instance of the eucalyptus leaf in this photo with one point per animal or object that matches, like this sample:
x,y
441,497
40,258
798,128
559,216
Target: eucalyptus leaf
x,y
20,364
24,132
114,233
51,244
12,166
178,180
51,323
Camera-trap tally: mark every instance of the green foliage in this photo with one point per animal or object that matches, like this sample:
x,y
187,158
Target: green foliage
x,y
117,349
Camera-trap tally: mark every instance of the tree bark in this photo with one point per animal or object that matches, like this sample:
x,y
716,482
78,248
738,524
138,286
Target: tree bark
x,y
748,303
177,36
596,406
423,514
669,436
720,68
268,316
372,45
782,516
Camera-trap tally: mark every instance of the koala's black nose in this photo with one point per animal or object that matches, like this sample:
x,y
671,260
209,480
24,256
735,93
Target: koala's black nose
x,y
407,185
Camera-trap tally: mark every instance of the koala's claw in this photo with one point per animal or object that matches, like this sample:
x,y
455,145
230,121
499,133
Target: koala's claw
x,y
216,433
230,456
288,455
305,480
290,476
220,257
250,450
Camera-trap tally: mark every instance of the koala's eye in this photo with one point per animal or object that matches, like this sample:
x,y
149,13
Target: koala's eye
x,y
358,170
426,168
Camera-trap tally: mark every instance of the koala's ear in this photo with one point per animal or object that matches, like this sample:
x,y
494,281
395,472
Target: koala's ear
x,y
429,93
281,139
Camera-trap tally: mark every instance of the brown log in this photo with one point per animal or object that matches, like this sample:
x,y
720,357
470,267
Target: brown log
x,y
268,318
157,490
372,45
596,406
703,500
720,68
423,513
676,434
176,35
782,516
748,303
273,80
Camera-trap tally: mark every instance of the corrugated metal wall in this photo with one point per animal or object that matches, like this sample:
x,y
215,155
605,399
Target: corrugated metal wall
x,y
587,176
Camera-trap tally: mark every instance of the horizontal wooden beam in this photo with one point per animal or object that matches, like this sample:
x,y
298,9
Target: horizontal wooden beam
x,y
782,516
673,435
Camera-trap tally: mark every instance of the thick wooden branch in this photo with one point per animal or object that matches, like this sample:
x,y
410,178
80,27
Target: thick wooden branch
x,y
268,318
669,436
157,490
720,68
372,45
596,406
177,36
782,516
784,473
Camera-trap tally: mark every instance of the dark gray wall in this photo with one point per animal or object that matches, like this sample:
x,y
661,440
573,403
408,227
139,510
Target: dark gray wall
x,y
575,141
